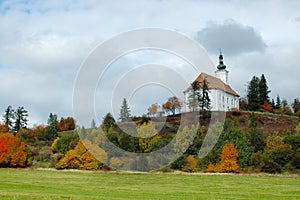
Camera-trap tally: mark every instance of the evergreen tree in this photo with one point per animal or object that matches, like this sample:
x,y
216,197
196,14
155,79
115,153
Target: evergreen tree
x,y
8,117
263,90
255,135
125,111
204,98
108,122
21,118
52,129
93,124
296,105
278,102
253,94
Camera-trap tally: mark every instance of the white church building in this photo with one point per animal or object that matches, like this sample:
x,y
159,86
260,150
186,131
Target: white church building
x,y
222,96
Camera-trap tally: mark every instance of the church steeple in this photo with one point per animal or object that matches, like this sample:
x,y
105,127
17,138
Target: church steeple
x,y
222,73
221,63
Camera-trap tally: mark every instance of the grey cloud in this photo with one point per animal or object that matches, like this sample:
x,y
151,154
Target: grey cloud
x,y
232,37
297,19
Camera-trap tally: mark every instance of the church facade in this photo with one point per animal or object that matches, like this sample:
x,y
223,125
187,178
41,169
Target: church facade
x,y
222,96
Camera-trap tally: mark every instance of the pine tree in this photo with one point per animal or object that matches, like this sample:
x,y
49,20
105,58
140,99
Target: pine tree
x,y
255,134
8,117
125,111
253,94
21,118
204,99
278,102
52,129
263,90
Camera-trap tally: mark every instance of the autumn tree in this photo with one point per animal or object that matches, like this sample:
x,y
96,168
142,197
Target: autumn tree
x,y
124,111
172,105
81,158
190,164
21,118
13,152
228,161
148,137
277,151
66,124
153,109
195,96
8,117
285,107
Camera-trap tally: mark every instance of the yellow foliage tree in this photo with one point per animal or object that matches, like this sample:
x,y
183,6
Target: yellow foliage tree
x,y
80,158
148,137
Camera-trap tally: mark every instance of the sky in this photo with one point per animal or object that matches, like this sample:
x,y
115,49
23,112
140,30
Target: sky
x,y
44,43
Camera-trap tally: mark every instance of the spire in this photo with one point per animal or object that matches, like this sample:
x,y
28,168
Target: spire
x,y
221,63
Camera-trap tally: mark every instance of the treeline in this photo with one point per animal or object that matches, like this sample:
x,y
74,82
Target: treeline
x,y
257,99
58,145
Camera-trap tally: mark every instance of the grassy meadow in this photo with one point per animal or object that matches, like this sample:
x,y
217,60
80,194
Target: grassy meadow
x,y
51,184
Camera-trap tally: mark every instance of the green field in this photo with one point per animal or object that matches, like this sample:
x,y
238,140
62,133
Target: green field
x,y
50,184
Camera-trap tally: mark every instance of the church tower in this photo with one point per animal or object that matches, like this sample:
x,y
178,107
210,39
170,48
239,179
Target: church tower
x,y
222,73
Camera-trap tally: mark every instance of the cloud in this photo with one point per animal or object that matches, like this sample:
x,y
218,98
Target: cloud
x,y
232,37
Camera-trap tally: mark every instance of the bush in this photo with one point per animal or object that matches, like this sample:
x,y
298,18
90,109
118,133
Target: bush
x,y
270,166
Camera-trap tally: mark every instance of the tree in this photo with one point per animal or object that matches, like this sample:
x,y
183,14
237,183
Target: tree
x,y
9,117
253,94
108,122
195,96
125,111
93,124
228,162
278,102
66,124
148,137
255,135
172,105
285,107
296,105
51,129
21,116
13,152
190,165
263,90
153,109
204,98
277,151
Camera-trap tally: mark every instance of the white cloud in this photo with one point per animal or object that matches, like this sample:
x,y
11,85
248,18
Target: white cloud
x,y
43,43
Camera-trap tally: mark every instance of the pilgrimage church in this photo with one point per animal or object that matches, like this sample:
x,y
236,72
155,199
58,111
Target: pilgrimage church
x,y
222,96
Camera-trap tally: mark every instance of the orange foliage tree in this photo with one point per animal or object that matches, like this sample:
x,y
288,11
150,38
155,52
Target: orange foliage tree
x,y
4,128
228,163
66,124
172,105
13,153
190,165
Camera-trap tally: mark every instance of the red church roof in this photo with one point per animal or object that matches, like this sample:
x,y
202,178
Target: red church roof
x,y
214,83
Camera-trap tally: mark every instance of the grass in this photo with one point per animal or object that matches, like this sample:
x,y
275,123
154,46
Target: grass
x,y
50,184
